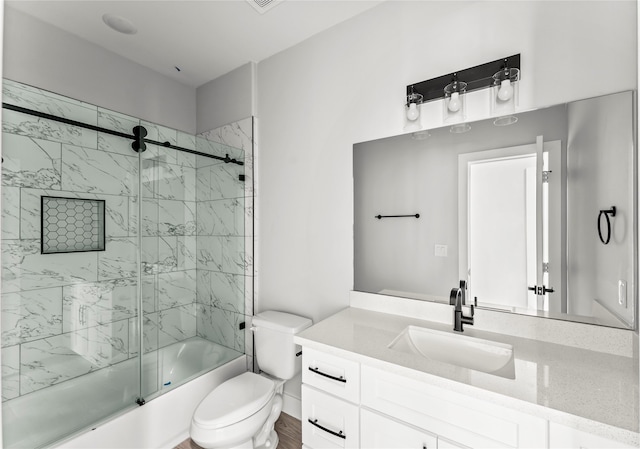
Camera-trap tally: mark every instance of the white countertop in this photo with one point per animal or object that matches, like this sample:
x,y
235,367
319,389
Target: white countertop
x,y
591,391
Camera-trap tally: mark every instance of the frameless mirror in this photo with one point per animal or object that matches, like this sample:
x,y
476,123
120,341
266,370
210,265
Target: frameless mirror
x,y
537,216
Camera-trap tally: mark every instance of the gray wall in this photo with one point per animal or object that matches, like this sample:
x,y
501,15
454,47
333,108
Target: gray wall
x,y
47,57
599,169
226,99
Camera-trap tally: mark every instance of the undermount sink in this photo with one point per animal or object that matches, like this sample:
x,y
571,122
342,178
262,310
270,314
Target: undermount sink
x,y
468,352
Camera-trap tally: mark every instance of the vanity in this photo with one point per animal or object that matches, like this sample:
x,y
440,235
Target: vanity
x,y
368,384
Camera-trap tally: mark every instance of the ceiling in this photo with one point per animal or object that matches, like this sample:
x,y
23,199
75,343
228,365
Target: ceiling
x,y
204,38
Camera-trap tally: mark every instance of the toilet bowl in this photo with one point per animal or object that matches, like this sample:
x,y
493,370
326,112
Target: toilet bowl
x,y
233,413
241,412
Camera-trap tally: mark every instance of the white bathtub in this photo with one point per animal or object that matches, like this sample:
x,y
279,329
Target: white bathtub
x,y
80,404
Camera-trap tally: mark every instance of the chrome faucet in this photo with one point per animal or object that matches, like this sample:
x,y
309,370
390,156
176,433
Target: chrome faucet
x,y
456,299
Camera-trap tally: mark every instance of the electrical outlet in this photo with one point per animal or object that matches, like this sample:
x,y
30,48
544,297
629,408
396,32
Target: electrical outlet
x,y
441,250
622,293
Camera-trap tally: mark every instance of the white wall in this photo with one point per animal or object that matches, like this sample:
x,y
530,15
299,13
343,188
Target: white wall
x,y
47,57
226,99
347,85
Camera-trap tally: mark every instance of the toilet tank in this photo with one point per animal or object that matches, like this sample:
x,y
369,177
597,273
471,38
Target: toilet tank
x,y
274,347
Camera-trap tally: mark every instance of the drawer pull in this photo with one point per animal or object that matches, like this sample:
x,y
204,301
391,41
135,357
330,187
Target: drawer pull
x,y
317,371
337,434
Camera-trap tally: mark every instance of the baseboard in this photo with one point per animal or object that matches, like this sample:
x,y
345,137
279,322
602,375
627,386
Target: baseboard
x,y
292,406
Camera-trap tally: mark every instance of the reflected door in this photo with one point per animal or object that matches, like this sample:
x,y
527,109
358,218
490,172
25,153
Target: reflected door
x,y
504,220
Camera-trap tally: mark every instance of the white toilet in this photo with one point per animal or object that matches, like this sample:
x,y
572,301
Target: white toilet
x,y
241,412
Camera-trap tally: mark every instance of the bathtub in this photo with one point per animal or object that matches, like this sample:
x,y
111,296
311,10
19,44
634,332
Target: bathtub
x,y
78,406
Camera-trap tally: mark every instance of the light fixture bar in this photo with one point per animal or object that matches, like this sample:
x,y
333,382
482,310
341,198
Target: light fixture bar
x,y
478,77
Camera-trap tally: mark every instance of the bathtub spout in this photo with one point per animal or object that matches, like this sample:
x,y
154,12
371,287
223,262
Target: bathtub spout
x,y
267,437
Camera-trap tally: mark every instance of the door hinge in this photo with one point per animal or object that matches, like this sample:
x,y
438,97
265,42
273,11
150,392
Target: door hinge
x,y
545,176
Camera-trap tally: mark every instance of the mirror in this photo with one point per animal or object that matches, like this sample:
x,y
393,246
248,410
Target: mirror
x,y
537,216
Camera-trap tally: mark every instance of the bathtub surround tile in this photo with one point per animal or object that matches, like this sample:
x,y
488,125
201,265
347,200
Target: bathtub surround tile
x,y
106,344
160,133
150,211
149,334
186,251
52,360
28,125
116,211
237,134
10,372
176,324
220,326
119,259
149,174
41,100
10,212
176,217
92,304
176,182
30,162
31,315
117,121
24,268
176,289
221,217
209,253
204,291
149,296
228,291
93,171
115,144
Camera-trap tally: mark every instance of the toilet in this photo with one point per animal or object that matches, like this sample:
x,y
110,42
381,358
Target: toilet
x,y
241,412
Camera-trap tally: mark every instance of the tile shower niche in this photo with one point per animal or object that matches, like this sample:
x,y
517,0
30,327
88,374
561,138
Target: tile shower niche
x,y
71,225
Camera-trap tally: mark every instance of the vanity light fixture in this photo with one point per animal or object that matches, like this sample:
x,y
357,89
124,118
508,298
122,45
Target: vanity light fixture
x,y
504,94
501,75
413,100
454,110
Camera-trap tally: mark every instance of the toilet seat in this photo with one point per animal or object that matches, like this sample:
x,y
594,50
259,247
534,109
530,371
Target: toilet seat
x,y
234,400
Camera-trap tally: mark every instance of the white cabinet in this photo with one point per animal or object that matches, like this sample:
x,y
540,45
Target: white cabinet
x,y
563,437
453,416
328,422
382,432
348,405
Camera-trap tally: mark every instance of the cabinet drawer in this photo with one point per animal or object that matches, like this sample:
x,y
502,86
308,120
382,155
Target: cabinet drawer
x,y
454,416
332,374
328,422
382,432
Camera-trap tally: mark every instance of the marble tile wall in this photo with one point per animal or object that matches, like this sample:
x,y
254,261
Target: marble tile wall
x,y
225,224
65,315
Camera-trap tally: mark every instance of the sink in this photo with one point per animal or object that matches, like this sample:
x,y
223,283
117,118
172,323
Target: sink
x,y
468,352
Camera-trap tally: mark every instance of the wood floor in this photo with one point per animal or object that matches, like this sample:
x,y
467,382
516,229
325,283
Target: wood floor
x,y
289,430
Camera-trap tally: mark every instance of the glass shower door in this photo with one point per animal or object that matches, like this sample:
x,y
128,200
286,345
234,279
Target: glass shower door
x,y
69,268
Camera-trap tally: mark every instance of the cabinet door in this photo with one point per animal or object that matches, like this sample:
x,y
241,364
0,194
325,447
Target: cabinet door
x,y
381,432
328,422
563,437
455,416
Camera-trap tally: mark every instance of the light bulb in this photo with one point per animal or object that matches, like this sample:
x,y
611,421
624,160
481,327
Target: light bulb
x,y
454,102
413,112
506,90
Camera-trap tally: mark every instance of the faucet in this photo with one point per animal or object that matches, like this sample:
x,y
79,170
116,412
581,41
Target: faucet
x,y
459,319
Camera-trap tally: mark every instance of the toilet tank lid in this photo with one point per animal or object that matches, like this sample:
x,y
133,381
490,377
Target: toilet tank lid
x,y
281,321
